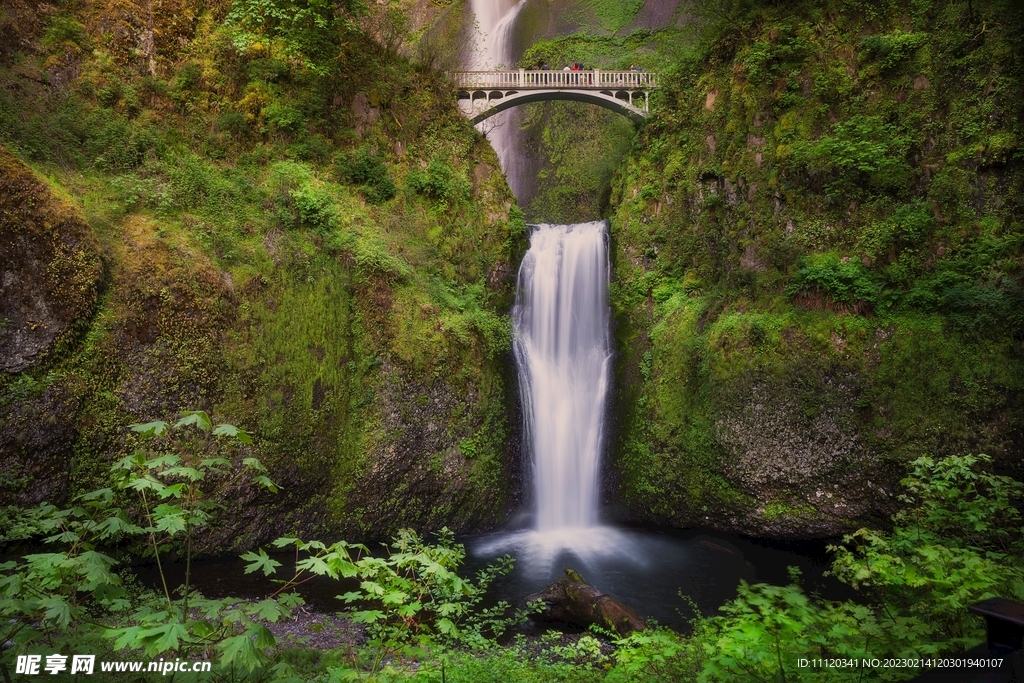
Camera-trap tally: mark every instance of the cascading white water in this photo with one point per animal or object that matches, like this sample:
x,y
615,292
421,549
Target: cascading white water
x,y
562,348
563,352
495,20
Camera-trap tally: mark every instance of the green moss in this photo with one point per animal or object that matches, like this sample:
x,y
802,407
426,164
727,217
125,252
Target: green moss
x,y
246,281
809,225
776,510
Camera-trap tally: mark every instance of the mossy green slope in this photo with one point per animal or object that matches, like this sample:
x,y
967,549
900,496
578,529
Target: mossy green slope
x,y
319,251
818,264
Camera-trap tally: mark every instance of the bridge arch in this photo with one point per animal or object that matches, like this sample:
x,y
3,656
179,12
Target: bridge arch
x,y
618,101
624,92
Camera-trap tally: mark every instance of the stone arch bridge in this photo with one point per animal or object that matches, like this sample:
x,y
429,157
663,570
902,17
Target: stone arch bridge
x,y
491,92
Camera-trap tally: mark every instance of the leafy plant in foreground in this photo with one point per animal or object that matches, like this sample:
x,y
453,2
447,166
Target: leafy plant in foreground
x,y
959,540
73,599
409,600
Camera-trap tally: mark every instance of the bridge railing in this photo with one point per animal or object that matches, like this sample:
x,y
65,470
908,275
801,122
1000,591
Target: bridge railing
x,y
538,78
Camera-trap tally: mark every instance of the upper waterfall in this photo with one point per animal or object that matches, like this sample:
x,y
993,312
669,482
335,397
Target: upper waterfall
x,y
495,20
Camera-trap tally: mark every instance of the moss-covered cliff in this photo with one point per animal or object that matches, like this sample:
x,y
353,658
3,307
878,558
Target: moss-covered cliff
x,y
299,233
818,264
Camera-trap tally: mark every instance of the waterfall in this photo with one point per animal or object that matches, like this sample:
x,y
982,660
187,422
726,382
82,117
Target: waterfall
x,y
495,20
563,353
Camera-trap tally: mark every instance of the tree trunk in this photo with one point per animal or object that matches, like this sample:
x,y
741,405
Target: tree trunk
x,y
574,601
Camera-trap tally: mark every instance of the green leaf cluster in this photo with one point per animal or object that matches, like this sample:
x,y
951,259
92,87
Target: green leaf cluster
x,y
74,597
858,149
367,169
959,540
439,182
845,281
309,30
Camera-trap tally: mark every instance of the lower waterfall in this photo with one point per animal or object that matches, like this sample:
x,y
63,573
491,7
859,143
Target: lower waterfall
x,y
563,353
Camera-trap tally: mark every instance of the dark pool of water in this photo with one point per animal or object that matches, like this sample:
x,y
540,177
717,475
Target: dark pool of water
x,y
656,572
647,569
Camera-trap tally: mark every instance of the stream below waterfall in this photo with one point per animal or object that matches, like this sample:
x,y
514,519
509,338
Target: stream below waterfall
x,y
652,569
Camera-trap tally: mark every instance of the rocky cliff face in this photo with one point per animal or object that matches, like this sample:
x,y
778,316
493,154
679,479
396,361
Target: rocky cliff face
x,y
325,265
51,267
50,274
818,268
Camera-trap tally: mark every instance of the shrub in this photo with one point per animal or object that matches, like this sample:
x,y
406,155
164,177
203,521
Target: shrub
x,y
365,167
315,207
414,594
233,122
308,30
116,144
958,541
283,118
892,49
64,31
975,289
844,281
861,148
439,183
61,599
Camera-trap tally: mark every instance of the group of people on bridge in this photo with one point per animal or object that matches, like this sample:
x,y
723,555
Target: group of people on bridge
x,y
578,74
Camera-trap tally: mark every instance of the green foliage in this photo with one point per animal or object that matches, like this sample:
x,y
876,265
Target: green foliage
x,y
958,541
975,288
653,50
315,207
473,316
765,59
366,168
843,280
861,148
307,29
74,597
892,49
439,182
64,30
408,599
909,226
284,118
300,199
414,591
662,655
116,144
767,629
25,386
615,14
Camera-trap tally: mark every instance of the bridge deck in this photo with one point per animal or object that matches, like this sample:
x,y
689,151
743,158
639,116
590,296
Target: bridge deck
x,y
526,79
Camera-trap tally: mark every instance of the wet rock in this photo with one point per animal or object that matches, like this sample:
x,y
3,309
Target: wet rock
x,y
49,267
574,601
37,435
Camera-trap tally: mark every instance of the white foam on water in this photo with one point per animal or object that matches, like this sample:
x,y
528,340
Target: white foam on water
x,y
582,547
